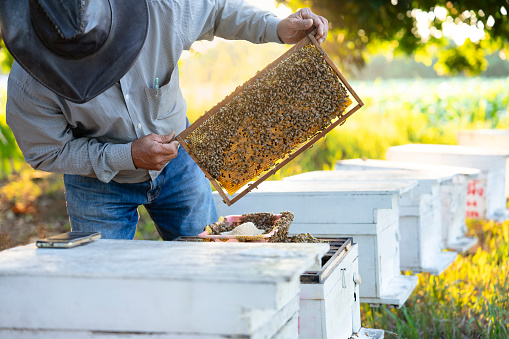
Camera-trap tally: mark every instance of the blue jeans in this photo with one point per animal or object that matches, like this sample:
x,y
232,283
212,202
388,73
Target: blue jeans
x,y
179,202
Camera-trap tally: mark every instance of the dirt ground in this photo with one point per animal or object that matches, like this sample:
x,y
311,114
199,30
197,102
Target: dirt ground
x,y
24,217
32,206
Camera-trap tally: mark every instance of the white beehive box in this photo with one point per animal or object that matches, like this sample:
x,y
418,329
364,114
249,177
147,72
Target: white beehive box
x,y
119,288
331,309
368,212
486,196
421,248
453,197
489,138
329,298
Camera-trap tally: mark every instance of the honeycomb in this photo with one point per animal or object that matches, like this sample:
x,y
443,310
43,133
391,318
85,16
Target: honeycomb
x,y
267,222
272,116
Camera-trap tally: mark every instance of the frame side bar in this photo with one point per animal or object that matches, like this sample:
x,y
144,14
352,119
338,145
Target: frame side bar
x,y
223,195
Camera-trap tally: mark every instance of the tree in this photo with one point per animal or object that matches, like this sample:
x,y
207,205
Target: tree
x,y
457,34
6,58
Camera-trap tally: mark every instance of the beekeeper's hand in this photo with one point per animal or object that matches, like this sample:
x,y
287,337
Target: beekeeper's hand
x,y
296,26
154,151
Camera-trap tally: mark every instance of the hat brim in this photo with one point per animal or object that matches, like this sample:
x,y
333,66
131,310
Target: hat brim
x,y
83,79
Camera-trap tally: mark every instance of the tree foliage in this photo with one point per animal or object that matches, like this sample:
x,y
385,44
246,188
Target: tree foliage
x,y
6,58
416,27
361,28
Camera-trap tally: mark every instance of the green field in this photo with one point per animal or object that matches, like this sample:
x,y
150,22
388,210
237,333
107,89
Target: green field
x,y
395,112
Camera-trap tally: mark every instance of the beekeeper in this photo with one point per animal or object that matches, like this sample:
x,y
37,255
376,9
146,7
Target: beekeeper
x,y
94,94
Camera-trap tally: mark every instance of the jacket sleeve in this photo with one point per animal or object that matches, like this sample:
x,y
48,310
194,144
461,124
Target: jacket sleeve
x,y
228,19
47,142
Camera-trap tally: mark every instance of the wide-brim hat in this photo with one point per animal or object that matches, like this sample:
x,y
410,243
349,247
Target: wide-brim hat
x,y
83,78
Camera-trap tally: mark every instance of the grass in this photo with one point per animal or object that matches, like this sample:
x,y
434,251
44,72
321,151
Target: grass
x,y
469,300
32,205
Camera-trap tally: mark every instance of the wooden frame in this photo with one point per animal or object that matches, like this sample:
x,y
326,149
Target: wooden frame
x,y
181,138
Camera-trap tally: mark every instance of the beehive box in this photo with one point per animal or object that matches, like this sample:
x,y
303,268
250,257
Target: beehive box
x,y
367,212
485,196
453,196
489,138
419,214
270,119
331,308
329,296
207,290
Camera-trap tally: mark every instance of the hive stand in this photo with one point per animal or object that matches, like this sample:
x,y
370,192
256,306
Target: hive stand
x,y
488,138
419,214
150,289
368,212
486,196
453,197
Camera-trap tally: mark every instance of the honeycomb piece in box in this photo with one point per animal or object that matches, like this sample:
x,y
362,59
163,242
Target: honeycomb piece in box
x,y
303,238
263,220
274,114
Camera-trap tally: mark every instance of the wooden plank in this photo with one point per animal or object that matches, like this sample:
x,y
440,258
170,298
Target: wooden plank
x,y
336,255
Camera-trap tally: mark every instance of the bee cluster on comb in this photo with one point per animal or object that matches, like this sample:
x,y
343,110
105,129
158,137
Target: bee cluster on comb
x,y
272,116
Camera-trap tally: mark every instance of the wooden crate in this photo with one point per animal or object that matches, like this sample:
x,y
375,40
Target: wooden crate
x,y
287,156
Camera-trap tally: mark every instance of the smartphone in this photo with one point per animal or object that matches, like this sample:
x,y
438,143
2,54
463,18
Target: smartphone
x,y
68,240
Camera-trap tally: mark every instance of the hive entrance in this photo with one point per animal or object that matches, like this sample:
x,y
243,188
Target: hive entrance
x,y
269,120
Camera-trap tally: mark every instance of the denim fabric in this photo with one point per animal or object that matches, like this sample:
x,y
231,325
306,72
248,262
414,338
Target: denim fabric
x,y
179,202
